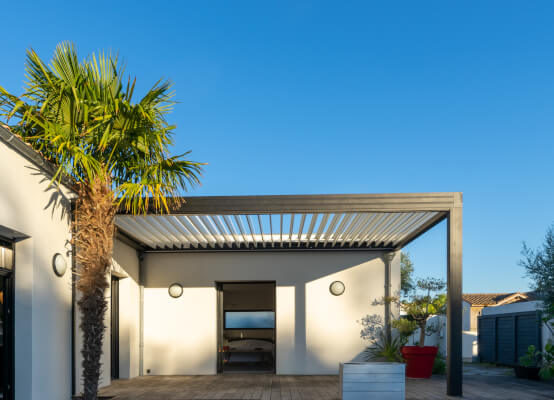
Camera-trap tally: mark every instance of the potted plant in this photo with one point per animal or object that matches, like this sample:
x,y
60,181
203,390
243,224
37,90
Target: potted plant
x,y
529,365
423,302
383,372
535,364
547,364
384,349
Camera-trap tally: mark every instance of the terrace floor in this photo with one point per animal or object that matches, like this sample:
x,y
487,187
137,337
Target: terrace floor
x,y
488,386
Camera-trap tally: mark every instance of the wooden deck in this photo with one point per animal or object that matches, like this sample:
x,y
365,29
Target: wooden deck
x,y
277,387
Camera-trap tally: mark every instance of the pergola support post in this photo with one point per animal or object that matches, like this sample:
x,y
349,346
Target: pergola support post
x,y
454,312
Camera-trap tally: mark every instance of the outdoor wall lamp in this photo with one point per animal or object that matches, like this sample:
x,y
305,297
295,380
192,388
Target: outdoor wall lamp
x,y
175,290
336,288
59,264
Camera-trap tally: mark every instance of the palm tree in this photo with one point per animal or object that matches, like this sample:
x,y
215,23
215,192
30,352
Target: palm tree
x,y
81,117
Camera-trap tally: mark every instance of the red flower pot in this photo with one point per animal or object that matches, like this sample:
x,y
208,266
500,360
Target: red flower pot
x,y
419,360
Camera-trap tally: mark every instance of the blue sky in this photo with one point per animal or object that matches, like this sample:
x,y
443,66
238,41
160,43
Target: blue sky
x,y
345,97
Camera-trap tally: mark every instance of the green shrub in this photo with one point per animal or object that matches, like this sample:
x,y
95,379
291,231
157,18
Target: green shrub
x,y
405,328
547,368
543,360
384,350
532,358
439,366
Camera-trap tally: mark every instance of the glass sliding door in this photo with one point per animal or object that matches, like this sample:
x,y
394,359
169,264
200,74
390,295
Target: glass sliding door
x,y
6,321
246,327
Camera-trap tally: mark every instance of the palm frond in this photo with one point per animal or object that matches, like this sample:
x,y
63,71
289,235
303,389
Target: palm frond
x,y
80,115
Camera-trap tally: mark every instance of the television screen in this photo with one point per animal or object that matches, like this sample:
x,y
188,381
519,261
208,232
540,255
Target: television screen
x,y
249,319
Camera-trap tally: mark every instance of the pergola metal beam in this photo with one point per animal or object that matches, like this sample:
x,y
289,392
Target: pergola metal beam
x,y
298,204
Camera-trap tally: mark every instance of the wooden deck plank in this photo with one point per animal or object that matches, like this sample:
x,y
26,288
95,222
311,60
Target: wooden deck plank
x,y
276,387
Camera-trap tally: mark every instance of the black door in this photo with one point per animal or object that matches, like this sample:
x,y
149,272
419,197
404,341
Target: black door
x,y
6,321
115,328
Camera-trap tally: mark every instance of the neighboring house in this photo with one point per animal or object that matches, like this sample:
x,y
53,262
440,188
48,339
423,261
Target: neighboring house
x,y
225,284
474,303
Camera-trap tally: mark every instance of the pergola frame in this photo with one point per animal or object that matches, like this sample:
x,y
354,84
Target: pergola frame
x,y
447,206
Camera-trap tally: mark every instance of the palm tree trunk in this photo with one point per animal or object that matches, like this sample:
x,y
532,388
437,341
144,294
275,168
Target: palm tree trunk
x,y
94,216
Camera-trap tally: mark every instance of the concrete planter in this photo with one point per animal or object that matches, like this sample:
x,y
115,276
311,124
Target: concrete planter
x,y
372,380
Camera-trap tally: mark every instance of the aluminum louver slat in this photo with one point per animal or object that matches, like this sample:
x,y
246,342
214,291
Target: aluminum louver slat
x,y
328,230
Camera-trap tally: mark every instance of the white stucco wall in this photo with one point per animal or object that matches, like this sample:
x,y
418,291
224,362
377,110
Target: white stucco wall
x,y
125,257
42,299
315,330
524,306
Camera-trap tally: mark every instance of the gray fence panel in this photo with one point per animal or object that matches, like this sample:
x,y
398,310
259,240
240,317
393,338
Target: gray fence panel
x,y
487,339
503,338
528,332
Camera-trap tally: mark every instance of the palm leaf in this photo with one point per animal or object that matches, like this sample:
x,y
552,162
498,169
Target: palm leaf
x,y
81,117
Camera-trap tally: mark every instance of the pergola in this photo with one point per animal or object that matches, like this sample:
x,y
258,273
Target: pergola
x,y
378,222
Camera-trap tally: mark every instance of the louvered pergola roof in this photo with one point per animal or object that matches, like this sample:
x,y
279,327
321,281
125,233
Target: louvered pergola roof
x,y
301,222
382,222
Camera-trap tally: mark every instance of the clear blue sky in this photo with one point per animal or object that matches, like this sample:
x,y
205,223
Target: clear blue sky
x,y
346,97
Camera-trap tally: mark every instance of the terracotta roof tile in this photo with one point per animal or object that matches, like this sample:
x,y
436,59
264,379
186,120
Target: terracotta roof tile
x,y
488,299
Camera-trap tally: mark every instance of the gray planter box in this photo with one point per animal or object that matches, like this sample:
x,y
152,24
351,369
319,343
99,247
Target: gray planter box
x,y
372,380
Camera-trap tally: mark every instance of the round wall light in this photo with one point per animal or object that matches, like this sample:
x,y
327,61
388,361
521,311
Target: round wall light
x,y
59,264
336,288
175,290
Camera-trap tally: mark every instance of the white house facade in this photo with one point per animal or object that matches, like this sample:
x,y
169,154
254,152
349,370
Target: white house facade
x,y
36,303
273,284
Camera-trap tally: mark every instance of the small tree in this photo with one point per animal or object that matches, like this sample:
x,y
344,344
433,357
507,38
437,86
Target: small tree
x,y
539,266
425,301
406,274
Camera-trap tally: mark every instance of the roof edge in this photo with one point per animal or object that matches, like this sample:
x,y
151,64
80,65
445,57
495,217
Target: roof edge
x,y
25,150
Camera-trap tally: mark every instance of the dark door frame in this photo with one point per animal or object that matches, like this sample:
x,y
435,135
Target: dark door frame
x,y
114,331
8,359
220,317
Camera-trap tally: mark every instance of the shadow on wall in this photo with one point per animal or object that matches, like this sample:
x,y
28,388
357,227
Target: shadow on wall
x,y
58,200
315,329
43,300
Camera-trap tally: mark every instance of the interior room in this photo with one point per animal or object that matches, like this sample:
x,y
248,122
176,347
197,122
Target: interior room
x,y
247,321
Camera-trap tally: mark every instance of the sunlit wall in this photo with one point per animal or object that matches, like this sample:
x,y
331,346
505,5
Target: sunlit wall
x,y
42,299
315,330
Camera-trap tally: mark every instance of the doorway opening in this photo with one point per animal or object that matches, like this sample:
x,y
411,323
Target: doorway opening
x,y
6,320
114,332
246,327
